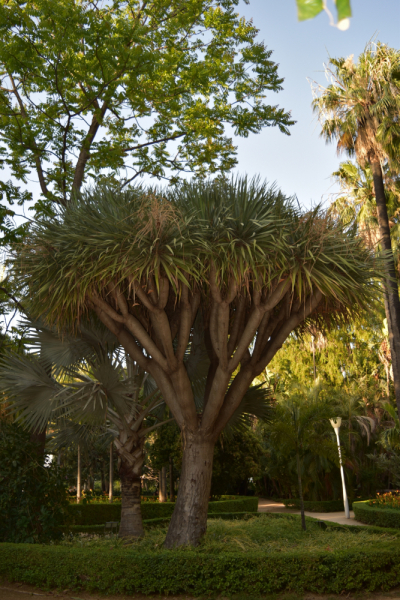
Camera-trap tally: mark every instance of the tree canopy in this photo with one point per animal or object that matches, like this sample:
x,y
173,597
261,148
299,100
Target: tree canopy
x,y
127,87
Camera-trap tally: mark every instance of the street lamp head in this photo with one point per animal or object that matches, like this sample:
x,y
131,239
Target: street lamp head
x,y
336,423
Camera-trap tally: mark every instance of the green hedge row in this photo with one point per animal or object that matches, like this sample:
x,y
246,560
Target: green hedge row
x,y
126,571
97,514
316,506
381,517
99,529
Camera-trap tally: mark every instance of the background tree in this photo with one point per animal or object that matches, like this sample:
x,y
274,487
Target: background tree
x,y
127,88
240,252
86,386
360,109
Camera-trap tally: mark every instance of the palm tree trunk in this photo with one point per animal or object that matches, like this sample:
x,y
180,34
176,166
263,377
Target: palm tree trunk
x,y
303,518
131,515
391,296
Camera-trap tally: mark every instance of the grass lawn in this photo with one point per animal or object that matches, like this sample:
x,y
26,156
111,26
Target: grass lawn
x,y
268,533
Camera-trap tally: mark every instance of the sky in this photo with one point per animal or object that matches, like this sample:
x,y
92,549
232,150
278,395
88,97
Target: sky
x,y
302,163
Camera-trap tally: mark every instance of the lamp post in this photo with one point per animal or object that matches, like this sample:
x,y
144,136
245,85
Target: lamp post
x,y
336,423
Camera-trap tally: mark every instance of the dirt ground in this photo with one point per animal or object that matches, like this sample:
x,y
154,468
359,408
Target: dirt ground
x,y
18,591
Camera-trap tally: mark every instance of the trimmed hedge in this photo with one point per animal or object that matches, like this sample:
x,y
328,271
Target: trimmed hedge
x,y
316,506
381,517
98,514
126,571
99,529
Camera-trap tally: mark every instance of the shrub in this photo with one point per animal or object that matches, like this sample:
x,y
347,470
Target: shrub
x,y
389,500
374,515
126,571
98,514
33,498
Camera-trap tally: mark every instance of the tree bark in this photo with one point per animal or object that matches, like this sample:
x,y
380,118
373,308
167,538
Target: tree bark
x,y
392,302
162,485
131,525
189,519
303,518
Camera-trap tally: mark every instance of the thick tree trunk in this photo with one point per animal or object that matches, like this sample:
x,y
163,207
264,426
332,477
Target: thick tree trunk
x,y
131,525
303,518
189,519
392,302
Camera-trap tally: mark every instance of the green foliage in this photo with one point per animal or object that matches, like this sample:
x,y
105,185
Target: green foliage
x,y
237,458
33,498
127,87
376,515
358,560
308,9
98,514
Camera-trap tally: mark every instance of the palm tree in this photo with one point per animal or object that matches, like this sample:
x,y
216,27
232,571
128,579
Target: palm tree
x,y
80,384
360,109
237,253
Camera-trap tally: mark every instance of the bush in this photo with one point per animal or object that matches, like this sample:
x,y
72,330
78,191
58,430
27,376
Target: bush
x,y
98,514
371,515
316,506
126,571
33,498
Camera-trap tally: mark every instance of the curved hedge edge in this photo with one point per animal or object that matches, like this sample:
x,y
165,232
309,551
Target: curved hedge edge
x,y
382,517
126,571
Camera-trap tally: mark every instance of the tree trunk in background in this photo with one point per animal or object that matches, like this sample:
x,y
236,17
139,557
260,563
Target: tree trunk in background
x,y
78,478
131,516
189,520
162,488
392,302
111,476
171,480
303,518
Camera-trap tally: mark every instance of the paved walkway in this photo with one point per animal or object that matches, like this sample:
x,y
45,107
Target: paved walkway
x,y
265,505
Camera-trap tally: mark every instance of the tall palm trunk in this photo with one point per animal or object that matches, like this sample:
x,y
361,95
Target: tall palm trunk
x,y
130,450
391,296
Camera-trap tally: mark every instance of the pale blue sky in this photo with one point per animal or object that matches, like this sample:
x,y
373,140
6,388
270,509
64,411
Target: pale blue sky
x,y
302,163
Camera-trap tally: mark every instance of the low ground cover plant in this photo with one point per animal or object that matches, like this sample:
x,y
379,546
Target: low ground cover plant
x,y
267,533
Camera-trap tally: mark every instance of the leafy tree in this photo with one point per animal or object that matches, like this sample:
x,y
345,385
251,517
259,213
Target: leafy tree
x,y
33,497
299,428
239,253
126,87
361,110
237,458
